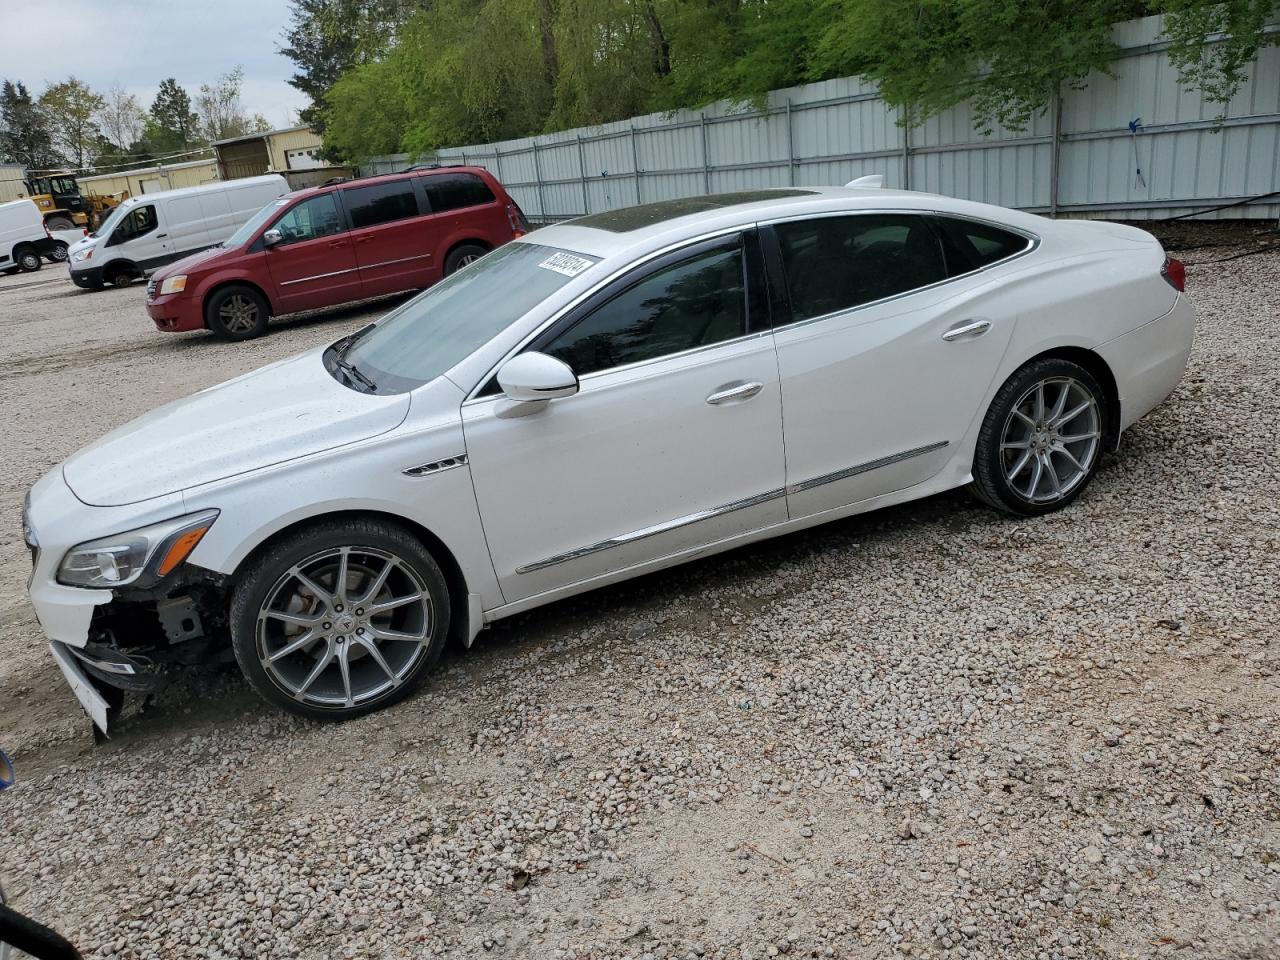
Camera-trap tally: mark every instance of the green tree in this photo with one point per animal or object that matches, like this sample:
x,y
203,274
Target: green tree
x,y
220,111
121,118
171,125
70,108
1218,68
24,133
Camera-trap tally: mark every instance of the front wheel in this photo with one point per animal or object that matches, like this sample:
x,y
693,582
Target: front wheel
x,y
1041,439
341,619
59,254
237,313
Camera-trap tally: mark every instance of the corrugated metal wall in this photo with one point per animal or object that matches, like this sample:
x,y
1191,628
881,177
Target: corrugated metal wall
x,y
1078,158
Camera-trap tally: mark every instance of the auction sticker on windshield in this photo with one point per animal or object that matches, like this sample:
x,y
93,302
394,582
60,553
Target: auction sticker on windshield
x,y
566,263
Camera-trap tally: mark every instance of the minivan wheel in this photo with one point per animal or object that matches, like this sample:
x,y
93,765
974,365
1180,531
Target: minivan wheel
x,y
28,260
340,619
237,313
461,256
1041,440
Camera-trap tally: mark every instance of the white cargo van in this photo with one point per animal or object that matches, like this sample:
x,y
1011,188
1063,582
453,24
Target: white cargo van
x,y
23,238
148,231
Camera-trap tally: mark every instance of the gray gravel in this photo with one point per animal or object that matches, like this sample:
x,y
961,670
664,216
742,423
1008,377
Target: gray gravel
x,y
931,731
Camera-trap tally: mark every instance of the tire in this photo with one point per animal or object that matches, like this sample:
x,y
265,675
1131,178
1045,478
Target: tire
x,y
120,276
60,223
1022,463
283,581
459,257
28,259
237,313
59,254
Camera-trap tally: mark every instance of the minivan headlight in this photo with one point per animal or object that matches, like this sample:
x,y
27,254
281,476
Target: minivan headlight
x,y
141,556
173,284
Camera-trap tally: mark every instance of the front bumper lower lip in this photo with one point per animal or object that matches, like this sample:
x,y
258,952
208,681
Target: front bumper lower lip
x,y
89,697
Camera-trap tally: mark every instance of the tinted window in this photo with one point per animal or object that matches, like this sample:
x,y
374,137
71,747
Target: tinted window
x,y
317,217
835,263
693,303
970,245
380,203
136,223
449,191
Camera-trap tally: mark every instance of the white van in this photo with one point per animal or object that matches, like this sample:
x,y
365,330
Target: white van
x,y
23,238
148,231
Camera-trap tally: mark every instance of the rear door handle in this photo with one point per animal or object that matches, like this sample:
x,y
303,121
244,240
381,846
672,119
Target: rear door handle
x,y
969,329
337,243
737,390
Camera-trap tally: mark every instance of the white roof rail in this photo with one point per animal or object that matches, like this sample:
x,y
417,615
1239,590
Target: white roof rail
x,y
873,182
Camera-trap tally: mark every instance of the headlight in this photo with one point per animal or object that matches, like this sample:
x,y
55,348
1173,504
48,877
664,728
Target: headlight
x,y
140,556
81,255
174,284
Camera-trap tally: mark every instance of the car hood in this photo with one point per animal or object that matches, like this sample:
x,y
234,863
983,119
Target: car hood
x,y
186,264
278,413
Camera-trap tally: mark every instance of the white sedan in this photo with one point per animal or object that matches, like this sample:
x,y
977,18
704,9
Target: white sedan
x,y
601,399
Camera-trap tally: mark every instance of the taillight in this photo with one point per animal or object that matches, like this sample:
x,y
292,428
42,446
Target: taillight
x,y
1174,273
515,217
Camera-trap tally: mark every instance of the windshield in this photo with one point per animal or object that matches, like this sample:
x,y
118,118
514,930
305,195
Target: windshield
x,y
250,226
439,328
109,224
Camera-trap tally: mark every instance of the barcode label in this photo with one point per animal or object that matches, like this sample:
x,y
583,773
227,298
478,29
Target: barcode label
x,y
565,263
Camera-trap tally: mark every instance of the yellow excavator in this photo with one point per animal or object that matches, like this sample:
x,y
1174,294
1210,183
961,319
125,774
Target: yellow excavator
x,y
64,208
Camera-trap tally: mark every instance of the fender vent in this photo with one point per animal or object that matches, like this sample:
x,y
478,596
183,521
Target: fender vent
x,y
437,466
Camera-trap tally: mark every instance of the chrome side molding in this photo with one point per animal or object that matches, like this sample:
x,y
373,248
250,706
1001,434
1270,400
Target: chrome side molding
x,y
865,467
437,466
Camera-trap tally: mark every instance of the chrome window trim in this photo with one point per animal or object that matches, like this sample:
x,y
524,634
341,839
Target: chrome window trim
x,y
319,276
870,465
652,531
1033,242
591,292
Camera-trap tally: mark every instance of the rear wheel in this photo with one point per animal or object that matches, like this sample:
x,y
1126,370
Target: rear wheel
x,y
28,259
459,257
341,619
59,254
237,313
1041,439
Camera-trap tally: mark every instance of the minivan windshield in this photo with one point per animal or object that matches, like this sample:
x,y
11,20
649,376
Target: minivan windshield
x,y
250,226
439,328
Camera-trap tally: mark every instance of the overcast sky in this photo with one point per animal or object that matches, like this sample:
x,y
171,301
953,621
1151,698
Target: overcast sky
x,y
138,43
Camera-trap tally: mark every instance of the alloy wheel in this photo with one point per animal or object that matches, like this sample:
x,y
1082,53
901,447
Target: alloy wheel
x,y
1050,440
344,627
238,314
468,259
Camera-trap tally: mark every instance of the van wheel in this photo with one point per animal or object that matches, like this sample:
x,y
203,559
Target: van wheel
x,y
59,254
28,259
121,276
237,313
461,256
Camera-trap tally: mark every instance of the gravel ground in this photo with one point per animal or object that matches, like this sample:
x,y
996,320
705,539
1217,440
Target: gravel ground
x,y
930,731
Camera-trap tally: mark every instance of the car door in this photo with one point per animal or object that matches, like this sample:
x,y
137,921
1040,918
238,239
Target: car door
x,y
313,264
886,354
673,442
390,236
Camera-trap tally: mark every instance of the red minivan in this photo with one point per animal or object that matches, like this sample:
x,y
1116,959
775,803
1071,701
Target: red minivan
x,y
336,243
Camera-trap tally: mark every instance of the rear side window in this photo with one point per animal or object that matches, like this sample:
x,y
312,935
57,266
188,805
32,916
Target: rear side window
x,y
451,191
835,263
971,245
380,203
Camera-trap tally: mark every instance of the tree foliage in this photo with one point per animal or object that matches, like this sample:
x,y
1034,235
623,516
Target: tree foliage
x,y
459,71
171,125
221,114
70,109
25,137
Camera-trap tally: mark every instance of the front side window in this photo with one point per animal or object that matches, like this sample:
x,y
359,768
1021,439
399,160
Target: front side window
x,y
452,191
694,303
380,203
971,245
317,217
136,223
835,263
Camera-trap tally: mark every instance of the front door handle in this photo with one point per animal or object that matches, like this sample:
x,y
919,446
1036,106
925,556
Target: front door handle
x,y
969,329
161,236
737,390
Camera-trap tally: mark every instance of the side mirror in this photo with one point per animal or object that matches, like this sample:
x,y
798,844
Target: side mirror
x,y
536,376
272,237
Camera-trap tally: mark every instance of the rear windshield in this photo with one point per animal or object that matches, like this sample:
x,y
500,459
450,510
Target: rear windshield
x,y
441,327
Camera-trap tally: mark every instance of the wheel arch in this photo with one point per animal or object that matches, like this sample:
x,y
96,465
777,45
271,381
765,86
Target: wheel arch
x,y
461,611
222,284
1101,371
111,268
465,242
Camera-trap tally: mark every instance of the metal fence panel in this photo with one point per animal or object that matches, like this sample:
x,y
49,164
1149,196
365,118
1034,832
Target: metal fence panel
x,y
1080,158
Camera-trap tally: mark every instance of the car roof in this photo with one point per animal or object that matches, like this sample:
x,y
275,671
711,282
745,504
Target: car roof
x,y
633,229
392,177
